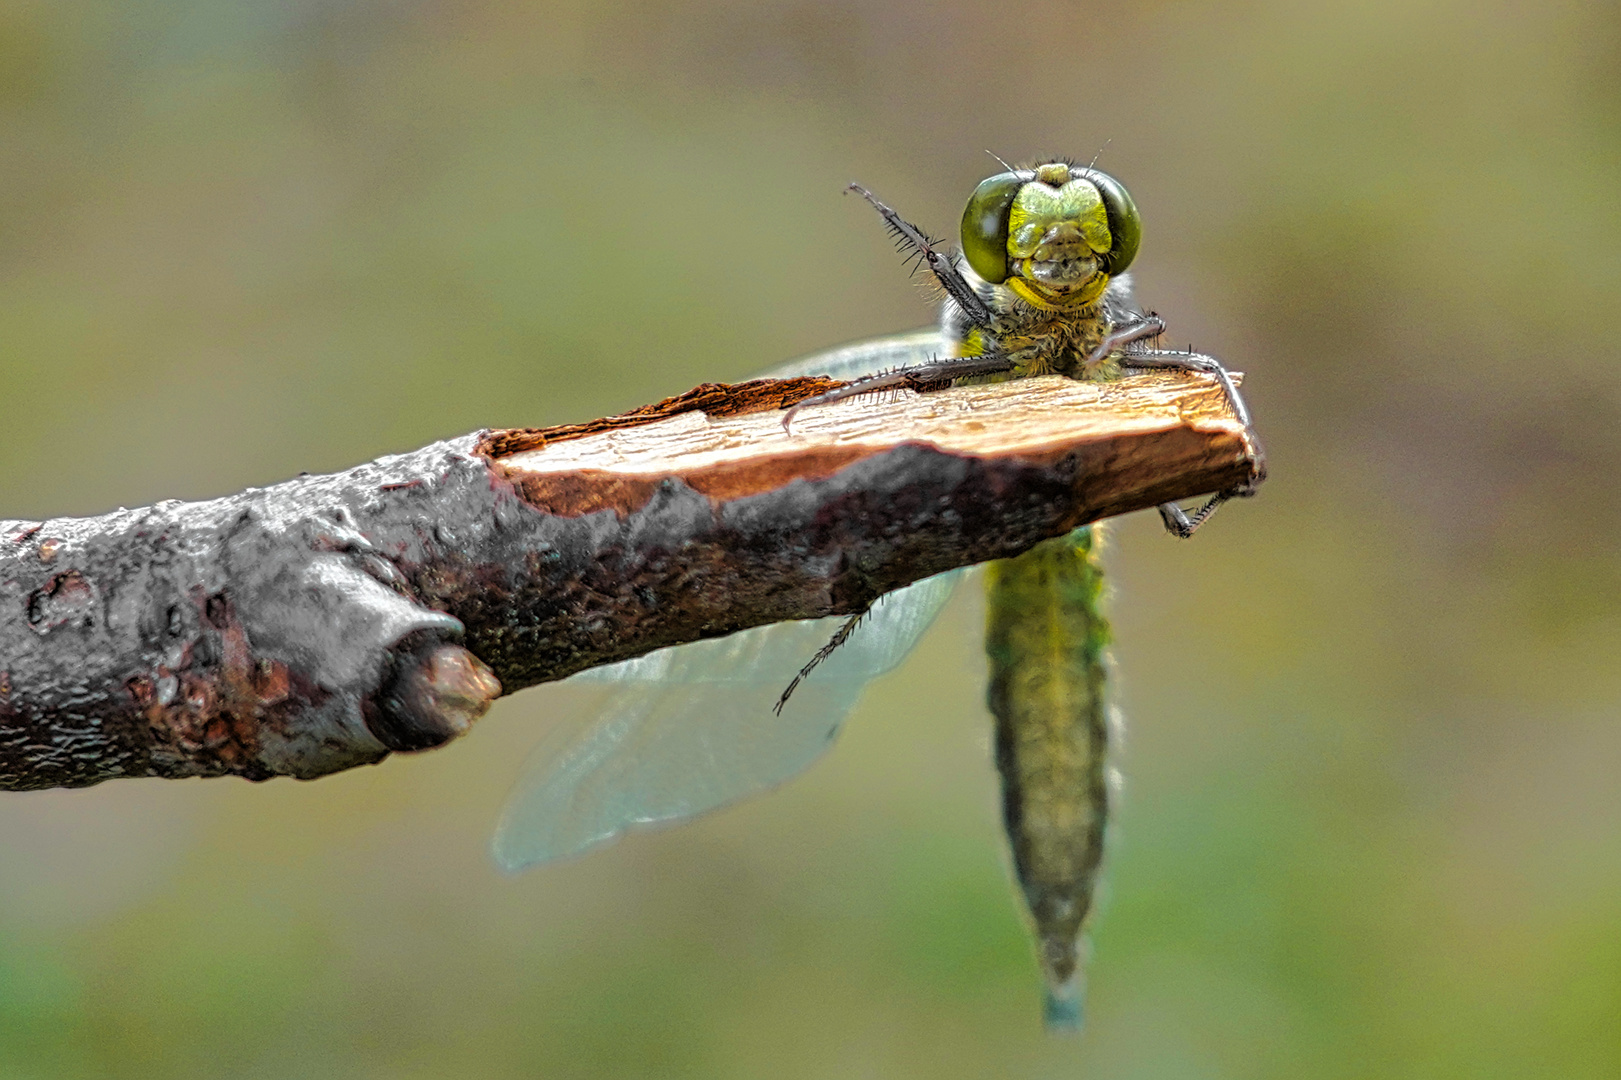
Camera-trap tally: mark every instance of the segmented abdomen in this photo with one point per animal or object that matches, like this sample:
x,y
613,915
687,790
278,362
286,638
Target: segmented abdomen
x,y
1047,641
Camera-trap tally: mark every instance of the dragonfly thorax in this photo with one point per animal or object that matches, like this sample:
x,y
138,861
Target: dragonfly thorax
x,y
1041,337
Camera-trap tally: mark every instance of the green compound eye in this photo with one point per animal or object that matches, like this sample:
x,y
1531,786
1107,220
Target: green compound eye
x,y
1125,226
985,224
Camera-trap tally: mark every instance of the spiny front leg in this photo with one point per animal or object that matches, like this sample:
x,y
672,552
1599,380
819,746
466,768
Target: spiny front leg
x,y
927,250
1115,341
923,378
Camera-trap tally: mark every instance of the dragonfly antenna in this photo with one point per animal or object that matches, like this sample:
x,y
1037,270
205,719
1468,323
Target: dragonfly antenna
x,y
1094,162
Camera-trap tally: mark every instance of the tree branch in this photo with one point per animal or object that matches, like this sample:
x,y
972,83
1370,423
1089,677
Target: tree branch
x,y
318,624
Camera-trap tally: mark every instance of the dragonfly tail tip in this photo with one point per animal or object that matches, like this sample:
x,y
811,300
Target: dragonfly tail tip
x,y
1061,1008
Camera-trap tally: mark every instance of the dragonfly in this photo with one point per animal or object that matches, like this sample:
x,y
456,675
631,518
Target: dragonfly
x,y
1038,286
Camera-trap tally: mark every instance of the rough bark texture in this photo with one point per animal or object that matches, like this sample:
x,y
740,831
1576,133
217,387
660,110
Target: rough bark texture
x,y
320,623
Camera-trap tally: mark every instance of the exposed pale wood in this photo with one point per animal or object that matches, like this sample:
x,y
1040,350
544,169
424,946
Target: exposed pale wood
x,y
1021,416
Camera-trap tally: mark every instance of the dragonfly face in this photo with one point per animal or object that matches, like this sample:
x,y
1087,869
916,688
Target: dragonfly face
x,y
1038,289
1054,234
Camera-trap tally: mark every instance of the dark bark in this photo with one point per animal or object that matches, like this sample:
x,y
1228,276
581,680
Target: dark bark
x,y
320,623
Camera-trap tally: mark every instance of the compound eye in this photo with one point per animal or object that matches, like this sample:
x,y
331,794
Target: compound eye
x,y
1125,226
985,224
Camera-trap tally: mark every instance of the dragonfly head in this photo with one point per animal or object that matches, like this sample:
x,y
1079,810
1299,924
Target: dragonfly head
x,y
1055,234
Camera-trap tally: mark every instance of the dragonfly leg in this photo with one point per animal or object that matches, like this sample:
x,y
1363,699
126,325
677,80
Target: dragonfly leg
x,y
923,378
1149,326
1177,521
1181,524
923,249
840,636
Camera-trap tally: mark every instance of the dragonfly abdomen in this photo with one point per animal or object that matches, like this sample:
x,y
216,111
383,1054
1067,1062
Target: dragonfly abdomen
x,y
1047,642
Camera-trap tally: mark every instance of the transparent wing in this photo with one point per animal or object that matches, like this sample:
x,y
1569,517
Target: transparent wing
x,y
691,728
867,357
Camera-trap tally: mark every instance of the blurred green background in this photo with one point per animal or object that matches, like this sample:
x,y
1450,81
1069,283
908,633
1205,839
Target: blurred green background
x,y
1371,824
